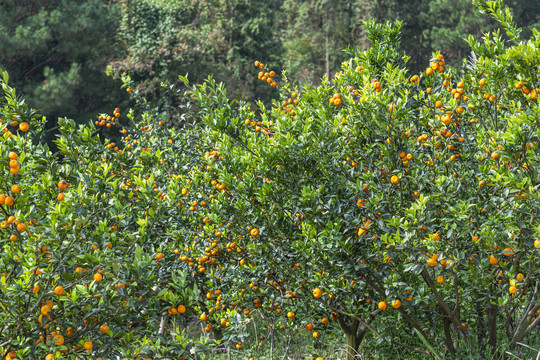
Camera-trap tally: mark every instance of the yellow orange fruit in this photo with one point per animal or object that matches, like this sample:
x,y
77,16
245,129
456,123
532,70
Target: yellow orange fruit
x,y
59,290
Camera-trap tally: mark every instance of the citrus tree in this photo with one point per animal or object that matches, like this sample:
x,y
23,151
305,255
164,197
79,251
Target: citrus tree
x,y
391,204
85,240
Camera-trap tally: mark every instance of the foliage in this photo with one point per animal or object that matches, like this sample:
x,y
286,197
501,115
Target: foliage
x,y
379,207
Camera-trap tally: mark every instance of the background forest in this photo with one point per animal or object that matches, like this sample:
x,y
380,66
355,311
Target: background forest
x,y
57,51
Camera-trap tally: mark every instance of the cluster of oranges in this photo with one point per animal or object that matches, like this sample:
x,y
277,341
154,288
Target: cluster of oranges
x,y
376,85
22,126
336,99
62,185
268,77
288,105
107,120
436,65
13,163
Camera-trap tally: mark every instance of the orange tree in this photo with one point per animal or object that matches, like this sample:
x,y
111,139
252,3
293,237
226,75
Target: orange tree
x,y
87,254
391,203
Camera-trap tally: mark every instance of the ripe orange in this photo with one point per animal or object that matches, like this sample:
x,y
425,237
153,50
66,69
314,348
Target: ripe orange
x,y
88,345
98,277
159,256
15,189
181,309
309,327
24,127
61,197
396,304
58,340
317,293
382,305
290,315
324,321
316,335
512,289
59,290
203,317
13,156
21,227
394,180
493,260
440,279
45,309
62,185
520,277
254,232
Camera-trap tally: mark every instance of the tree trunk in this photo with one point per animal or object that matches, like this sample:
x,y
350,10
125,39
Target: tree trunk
x,y
352,346
492,328
354,334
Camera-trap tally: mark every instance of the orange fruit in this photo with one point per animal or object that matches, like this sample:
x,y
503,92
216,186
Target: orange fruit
x,y
62,185
317,293
21,227
316,335
13,156
59,290
181,309
98,277
88,345
394,180
440,279
493,260
61,197
309,327
395,304
290,315
24,127
512,289
382,305
15,189
520,277
70,331
324,321
58,340
159,256
45,309
254,232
